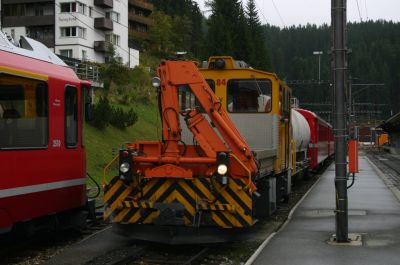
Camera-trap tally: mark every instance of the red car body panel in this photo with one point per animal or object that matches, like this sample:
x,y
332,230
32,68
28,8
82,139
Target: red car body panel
x,y
42,181
321,143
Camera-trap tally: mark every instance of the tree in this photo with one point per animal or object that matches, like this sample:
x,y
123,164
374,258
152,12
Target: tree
x,y
258,56
161,33
188,20
113,71
222,34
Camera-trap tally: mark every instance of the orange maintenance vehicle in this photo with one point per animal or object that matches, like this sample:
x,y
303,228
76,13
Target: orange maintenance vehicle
x,y
176,185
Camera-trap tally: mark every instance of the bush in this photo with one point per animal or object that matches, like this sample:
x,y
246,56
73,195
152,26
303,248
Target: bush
x,y
102,112
122,119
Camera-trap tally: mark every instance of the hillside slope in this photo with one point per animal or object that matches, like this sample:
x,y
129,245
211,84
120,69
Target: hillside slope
x,y
103,145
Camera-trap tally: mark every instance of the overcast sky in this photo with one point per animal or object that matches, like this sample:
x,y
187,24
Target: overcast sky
x,y
295,12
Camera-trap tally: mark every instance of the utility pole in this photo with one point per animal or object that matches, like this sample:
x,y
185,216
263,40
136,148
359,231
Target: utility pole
x,y
340,131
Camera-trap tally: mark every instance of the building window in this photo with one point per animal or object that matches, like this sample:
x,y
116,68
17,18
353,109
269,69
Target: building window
x,y
84,55
66,53
43,34
68,7
81,8
23,113
90,11
71,116
113,38
73,7
39,12
73,32
113,16
141,28
14,10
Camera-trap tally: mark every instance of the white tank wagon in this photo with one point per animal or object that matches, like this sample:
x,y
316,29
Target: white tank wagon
x,y
301,136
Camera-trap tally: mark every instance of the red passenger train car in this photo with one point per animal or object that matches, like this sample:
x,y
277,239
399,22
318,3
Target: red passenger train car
x,y
321,144
42,157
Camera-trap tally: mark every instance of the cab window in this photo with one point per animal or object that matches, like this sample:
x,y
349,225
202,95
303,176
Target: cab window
x,y
211,84
187,100
249,95
23,113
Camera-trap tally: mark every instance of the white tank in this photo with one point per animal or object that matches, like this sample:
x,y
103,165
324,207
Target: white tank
x,y
301,131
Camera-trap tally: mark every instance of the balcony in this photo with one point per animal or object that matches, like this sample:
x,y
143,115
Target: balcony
x,y
104,3
142,4
103,23
5,2
140,19
27,21
139,35
48,41
102,46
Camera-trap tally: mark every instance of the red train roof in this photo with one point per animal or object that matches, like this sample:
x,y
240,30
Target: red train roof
x,y
33,59
310,114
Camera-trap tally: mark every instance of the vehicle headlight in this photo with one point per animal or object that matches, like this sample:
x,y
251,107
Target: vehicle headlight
x,y
124,167
156,82
222,169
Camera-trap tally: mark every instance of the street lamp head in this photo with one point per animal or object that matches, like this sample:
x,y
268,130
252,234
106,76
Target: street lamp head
x,y
318,52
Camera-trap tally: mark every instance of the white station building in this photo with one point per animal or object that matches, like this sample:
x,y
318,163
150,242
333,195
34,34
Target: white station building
x,y
83,30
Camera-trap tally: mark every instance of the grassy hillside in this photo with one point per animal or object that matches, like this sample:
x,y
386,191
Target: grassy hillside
x,y
101,143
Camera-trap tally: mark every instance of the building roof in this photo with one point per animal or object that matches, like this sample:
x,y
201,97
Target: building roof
x,y
392,124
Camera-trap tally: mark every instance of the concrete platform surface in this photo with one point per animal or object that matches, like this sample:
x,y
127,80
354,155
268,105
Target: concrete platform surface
x,y
374,212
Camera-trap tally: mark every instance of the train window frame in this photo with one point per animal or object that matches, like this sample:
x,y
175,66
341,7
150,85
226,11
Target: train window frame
x,y
211,84
71,145
285,105
82,113
249,112
44,96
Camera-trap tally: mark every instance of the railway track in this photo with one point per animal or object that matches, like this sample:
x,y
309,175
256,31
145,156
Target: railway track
x,y
162,255
19,248
143,253
389,164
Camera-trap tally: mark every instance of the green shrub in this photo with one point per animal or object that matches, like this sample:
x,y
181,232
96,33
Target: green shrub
x,y
102,112
122,119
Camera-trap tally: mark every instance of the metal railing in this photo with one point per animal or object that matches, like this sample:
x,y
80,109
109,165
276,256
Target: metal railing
x,y
83,70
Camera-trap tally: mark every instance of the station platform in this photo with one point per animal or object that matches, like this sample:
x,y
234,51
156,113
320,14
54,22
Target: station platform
x,y
374,213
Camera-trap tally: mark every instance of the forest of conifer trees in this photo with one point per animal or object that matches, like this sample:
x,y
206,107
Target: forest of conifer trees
x,y
230,27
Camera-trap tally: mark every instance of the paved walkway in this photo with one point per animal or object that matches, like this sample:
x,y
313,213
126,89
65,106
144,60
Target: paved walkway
x,y
374,212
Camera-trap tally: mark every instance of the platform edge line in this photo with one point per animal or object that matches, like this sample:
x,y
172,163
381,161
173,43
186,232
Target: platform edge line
x,y
385,179
255,255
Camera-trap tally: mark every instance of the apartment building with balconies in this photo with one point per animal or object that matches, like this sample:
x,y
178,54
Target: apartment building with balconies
x,y
139,18
82,30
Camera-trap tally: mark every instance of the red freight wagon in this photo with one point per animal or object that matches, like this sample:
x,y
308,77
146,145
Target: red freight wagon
x,y
42,158
321,141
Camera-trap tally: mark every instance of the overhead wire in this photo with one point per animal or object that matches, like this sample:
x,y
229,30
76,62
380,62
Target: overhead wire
x,y
98,33
260,10
366,10
359,11
279,14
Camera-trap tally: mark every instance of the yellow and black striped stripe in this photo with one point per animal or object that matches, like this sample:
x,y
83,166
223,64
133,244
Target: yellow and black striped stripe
x,y
228,206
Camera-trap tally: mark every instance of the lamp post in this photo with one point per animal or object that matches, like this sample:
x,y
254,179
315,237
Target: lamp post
x,y
319,53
